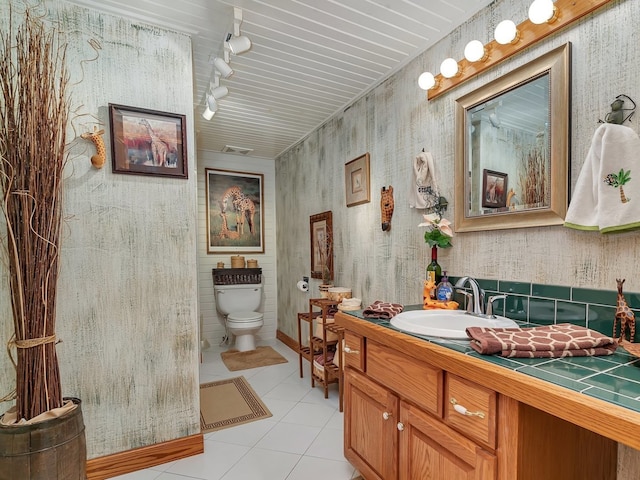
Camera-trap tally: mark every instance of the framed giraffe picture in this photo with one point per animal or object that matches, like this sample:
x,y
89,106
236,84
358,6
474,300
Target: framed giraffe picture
x,y
148,142
235,213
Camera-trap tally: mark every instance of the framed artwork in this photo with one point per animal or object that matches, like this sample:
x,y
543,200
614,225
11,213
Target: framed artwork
x,y
494,189
321,230
147,142
235,213
356,181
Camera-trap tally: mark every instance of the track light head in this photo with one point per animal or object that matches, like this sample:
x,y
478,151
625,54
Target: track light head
x,y
223,67
239,44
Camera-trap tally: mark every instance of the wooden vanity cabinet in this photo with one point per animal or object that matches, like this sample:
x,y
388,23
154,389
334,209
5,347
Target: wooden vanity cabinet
x,y
401,423
401,436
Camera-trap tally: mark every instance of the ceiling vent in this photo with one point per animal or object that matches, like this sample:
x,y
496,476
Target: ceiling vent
x,y
238,150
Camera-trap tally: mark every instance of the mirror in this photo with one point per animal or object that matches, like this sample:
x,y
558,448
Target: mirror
x,y
512,148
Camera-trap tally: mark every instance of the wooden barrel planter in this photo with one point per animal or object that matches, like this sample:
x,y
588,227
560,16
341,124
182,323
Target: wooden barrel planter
x,y
54,449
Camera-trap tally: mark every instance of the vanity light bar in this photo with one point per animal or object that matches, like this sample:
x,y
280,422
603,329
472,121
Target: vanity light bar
x,y
568,11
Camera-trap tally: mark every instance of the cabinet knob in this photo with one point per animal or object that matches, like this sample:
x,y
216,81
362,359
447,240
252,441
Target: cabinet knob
x,y
347,349
463,411
386,415
400,426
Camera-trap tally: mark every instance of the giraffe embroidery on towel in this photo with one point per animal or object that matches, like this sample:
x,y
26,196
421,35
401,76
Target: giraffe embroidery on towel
x,y
617,181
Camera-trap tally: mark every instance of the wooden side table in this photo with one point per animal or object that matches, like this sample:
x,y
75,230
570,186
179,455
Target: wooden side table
x,y
304,351
330,372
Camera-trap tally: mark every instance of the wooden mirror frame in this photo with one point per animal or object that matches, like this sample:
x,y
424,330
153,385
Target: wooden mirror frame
x,y
558,64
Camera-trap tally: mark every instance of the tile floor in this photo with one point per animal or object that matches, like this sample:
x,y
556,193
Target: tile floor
x,y
301,441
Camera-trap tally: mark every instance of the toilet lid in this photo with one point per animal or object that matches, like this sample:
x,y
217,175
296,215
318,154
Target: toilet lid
x,y
244,316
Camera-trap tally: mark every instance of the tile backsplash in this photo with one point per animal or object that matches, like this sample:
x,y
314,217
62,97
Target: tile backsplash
x,y
550,304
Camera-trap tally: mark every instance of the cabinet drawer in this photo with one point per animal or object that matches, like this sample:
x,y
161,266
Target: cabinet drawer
x,y
471,409
414,380
353,351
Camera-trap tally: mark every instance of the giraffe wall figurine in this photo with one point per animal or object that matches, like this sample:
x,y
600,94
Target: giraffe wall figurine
x,y
386,207
624,314
100,157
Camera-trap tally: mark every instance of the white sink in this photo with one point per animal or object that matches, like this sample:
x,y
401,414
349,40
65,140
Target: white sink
x,y
445,323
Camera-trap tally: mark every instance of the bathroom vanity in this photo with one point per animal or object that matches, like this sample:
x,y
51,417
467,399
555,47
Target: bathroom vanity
x,y
417,408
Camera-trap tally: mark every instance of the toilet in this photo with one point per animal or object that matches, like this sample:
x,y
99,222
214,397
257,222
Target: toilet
x,y
239,304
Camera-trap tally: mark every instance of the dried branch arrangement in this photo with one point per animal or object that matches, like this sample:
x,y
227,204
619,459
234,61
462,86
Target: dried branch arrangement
x,y
33,119
534,183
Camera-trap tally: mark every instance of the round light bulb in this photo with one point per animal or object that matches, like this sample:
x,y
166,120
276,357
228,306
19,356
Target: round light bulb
x,y
449,68
426,81
541,11
506,32
474,51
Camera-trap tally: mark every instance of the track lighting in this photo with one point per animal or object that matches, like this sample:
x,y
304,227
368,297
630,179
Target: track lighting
x,y
219,92
208,114
237,43
223,67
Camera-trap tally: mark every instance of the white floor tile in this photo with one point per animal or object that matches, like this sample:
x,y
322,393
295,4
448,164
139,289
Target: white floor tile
x,y
141,475
261,464
278,408
248,434
312,414
290,438
309,468
302,440
336,421
328,444
218,459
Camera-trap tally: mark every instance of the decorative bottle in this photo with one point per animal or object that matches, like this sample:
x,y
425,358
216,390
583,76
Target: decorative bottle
x,y
434,271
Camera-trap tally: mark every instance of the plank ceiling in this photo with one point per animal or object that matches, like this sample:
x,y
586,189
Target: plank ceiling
x,y
309,58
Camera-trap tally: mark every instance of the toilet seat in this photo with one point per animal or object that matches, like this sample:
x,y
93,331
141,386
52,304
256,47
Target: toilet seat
x,y
244,317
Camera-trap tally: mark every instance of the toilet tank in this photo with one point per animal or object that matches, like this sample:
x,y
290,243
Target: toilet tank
x,y
238,298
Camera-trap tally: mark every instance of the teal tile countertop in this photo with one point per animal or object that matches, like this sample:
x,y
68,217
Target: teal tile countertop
x,y
613,378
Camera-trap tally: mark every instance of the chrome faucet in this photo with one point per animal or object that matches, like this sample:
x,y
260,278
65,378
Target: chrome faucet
x,y
477,294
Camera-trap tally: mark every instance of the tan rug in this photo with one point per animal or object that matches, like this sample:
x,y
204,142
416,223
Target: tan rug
x,y
260,357
228,403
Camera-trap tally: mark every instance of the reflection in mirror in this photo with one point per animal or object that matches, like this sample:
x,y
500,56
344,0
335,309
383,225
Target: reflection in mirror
x,y
512,148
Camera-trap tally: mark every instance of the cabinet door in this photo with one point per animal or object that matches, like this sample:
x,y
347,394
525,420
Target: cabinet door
x,y
429,450
370,427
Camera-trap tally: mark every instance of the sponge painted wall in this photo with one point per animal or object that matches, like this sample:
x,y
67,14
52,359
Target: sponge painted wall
x,y
394,122
127,302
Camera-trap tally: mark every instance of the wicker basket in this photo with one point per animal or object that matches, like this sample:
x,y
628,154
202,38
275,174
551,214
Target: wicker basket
x,y
236,276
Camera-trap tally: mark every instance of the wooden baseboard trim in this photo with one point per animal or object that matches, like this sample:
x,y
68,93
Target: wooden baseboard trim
x,y
129,461
287,340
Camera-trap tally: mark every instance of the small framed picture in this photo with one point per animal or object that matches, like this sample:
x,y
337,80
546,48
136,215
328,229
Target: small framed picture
x,y
494,189
356,181
147,142
321,229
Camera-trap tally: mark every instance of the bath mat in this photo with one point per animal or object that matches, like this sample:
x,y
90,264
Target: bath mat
x,y
227,403
260,357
